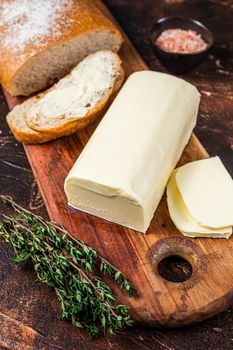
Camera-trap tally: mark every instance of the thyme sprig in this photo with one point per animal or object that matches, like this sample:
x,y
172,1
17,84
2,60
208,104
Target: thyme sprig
x,y
69,266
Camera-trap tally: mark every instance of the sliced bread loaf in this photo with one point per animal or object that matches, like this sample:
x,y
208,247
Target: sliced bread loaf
x,y
41,41
77,99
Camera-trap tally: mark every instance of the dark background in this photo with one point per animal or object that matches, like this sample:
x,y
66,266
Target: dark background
x,y
29,314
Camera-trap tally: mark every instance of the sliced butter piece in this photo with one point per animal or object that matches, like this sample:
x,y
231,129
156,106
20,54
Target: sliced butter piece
x,y
122,172
207,190
208,235
182,218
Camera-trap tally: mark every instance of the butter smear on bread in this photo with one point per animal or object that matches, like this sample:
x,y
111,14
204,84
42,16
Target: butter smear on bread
x,y
80,94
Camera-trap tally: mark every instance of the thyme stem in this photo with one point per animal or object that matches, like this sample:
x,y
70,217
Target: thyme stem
x,y
68,265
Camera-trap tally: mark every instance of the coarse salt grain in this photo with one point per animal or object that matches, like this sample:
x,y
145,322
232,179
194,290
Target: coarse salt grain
x,y
31,21
181,41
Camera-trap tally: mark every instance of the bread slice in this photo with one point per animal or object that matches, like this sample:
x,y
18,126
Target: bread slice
x,y
41,41
25,134
77,99
20,129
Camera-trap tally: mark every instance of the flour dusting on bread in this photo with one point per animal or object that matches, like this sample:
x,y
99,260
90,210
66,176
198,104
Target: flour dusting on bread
x,y
32,21
42,40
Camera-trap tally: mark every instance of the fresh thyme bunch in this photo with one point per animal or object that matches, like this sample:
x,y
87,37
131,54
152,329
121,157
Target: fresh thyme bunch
x,y
67,265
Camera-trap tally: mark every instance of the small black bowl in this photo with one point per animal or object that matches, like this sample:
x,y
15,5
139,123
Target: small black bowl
x,y
180,62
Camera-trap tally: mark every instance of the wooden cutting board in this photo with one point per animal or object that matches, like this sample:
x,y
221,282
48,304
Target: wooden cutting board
x,y
208,291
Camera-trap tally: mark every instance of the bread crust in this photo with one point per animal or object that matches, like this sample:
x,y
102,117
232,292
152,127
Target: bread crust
x,y
28,138
85,17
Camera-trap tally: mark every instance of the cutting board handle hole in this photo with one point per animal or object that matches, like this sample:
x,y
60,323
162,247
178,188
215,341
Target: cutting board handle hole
x,y
175,268
178,260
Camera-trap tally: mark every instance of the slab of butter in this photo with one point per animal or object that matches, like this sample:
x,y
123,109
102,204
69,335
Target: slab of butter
x,y
122,172
200,199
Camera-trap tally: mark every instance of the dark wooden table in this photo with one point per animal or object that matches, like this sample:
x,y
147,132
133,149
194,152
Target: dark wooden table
x,y
29,314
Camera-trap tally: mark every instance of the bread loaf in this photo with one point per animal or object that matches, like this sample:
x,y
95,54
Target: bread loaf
x,y
41,41
71,104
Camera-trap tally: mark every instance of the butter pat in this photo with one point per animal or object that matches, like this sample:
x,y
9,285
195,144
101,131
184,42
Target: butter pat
x,y
122,172
200,199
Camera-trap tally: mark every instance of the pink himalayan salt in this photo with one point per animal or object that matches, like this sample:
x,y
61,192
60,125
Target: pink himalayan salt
x,y
181,41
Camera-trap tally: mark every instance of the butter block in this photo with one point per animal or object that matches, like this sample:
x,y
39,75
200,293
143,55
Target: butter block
x,y
200,199
122,172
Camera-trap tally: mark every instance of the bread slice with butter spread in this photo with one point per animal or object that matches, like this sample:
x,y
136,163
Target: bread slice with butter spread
x,y
65,126
21,130
77,99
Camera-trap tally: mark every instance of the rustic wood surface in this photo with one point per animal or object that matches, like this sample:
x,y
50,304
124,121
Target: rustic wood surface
x,y
209,289
30,315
